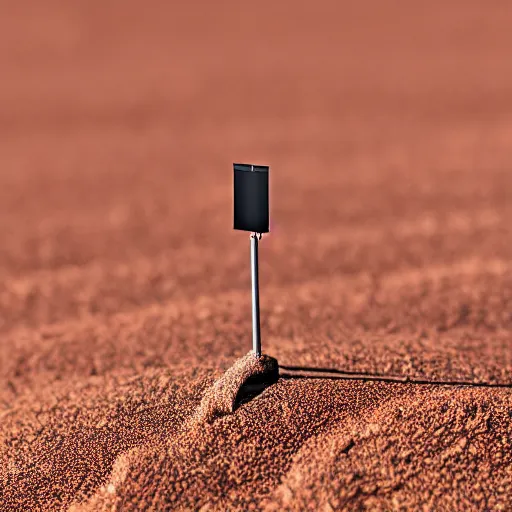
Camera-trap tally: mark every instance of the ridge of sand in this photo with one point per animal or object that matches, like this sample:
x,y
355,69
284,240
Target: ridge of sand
x,y
219,399
425,440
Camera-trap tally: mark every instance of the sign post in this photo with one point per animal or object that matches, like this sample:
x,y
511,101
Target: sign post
x,y
251,213
256,336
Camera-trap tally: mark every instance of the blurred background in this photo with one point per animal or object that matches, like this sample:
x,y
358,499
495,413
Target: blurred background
x,y
387,126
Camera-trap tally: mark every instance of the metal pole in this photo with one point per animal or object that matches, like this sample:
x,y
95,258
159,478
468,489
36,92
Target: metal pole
x,y
256,338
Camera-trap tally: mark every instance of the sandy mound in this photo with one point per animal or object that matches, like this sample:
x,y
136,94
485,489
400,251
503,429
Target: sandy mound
x,y
248,376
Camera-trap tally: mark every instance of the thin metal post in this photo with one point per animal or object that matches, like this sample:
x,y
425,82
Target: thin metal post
x,y
256,338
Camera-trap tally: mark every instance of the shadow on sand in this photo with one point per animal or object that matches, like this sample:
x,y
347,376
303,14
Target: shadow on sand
x,y
300,372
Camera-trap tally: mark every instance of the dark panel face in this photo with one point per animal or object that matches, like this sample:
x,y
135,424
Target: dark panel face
x,y
251,211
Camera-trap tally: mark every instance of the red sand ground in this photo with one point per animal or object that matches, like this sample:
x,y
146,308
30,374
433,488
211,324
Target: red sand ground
x,y
124,293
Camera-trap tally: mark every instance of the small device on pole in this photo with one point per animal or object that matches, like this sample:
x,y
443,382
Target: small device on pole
x,y
251,213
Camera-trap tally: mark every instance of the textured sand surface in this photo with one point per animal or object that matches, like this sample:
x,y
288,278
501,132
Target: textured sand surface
x,y
386,281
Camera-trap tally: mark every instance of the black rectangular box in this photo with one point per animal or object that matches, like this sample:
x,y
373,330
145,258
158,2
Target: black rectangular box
x,y
251,210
